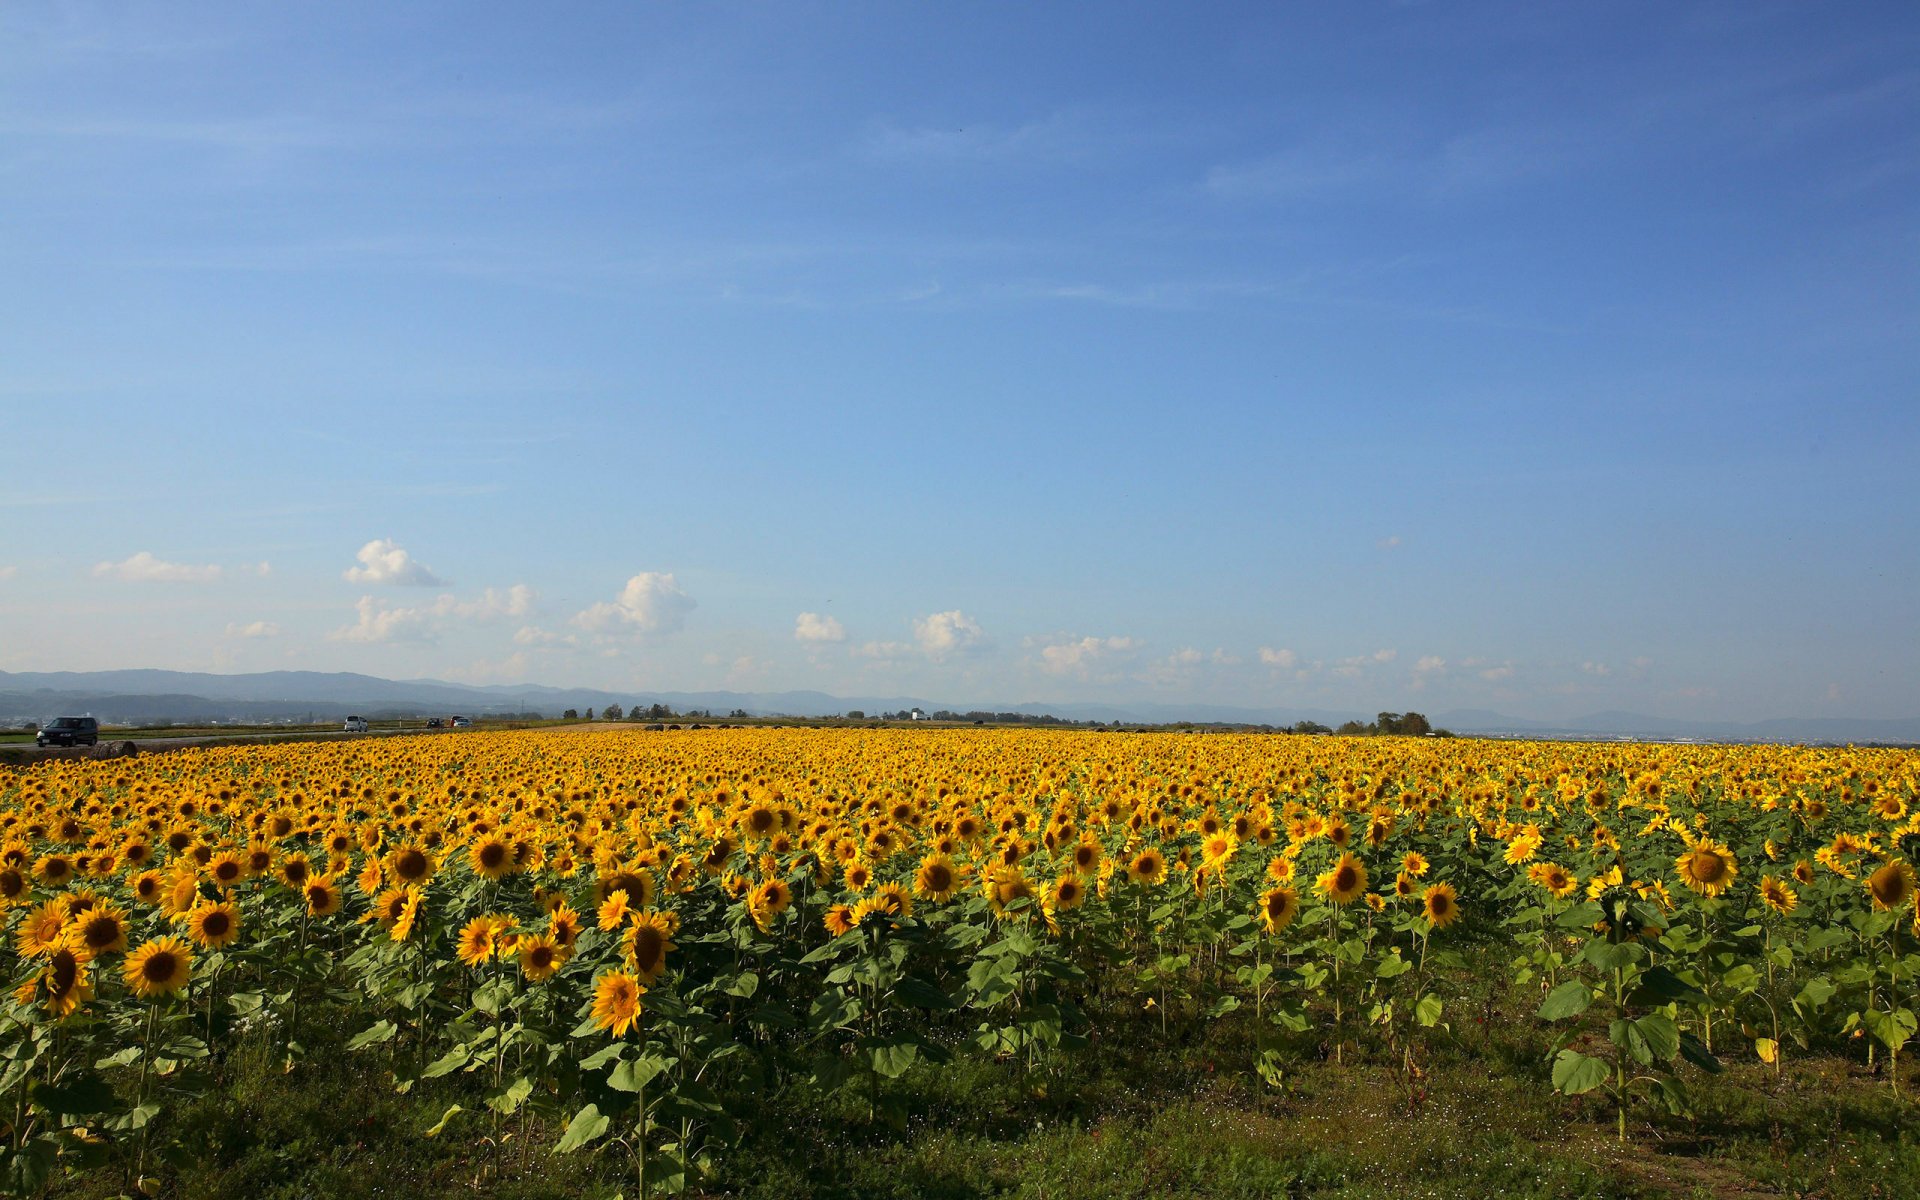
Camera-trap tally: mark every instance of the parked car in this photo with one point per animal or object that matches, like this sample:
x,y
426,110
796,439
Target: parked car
x,y
462,722
69,731
434,723
356,725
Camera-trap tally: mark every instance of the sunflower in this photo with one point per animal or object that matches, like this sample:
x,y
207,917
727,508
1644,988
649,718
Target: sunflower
x,y
1891,886
1803,873
1414,864
646,943
43,930
480,939
213,925
227,869
147,887
563,925
388,906
541,956
1006,886
102,930
491,858
1067,893
294,871
1404,885
839,920
1282,869
54,869
158,968
13,885
616,1002
323,896
1778,895
895,896
1441,904
1278,907
1149,867
1086,857
1343,882
1558,881
772,897
937,879
67,980
857,876
410,864
1218,850
1708,867
408,917
613,911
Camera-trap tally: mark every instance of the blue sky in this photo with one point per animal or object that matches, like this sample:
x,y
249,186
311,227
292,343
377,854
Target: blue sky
x,y
1546,358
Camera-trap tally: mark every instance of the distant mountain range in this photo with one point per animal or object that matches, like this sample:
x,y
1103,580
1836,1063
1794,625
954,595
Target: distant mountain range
x,y
162,697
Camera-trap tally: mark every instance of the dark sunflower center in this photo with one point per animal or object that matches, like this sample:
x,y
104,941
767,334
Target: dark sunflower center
x,y
160,966
492,855
215,924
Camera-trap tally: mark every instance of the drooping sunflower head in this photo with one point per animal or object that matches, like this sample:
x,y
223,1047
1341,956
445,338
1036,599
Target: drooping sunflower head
x,y
1086,857
159,968
1803,872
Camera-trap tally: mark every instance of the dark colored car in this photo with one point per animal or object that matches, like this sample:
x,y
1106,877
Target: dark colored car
x,y
69,731
433,722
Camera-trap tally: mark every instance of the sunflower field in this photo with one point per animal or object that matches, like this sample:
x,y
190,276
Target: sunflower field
x,y
616,943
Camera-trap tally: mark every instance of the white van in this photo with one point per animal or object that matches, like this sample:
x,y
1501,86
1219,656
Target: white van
x,y
356,725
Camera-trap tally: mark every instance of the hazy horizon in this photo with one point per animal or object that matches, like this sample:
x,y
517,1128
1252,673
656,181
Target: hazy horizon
x,y
1397,356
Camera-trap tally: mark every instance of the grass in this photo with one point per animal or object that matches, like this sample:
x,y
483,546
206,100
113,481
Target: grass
x,y
1134,1115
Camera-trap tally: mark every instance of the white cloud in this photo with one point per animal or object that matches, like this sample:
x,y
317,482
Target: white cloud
x,y
380,623
652,602
812,627
1497,674
8,572
1596,668
1389,543
145,568
1351,668
258,629
1833,693
1080,654
264,569
882,650
1430,664
533,635
1284,659
383,562
950,632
